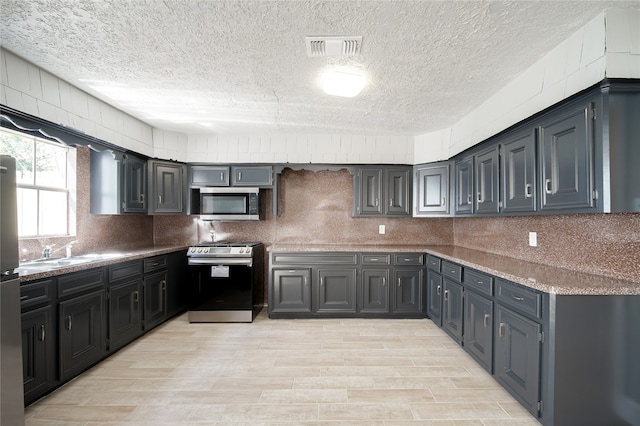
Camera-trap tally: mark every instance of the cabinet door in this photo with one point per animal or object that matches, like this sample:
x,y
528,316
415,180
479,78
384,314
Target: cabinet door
x,y
81,333
125,315
434,296
486,181
375,291
398,190
167,183
431,196
369,192
478,328
336,290
519,173
566,154
155,299
517,356
209,176
253,176
407,290
135,184
291,291
452,308
38,338
464,186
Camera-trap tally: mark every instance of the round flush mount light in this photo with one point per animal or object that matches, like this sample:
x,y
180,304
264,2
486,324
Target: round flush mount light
x,y
343,84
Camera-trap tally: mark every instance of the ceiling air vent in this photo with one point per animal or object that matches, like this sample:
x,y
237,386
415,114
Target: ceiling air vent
x,y
333,46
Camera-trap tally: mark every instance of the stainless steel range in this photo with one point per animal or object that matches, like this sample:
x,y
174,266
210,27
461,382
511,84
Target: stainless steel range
x,y
226,281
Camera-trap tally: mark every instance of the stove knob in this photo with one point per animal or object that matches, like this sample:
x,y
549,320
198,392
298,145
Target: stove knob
x,y
241,250
199,250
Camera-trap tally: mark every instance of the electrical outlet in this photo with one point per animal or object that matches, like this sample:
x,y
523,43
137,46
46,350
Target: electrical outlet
x,y
533,239
381,229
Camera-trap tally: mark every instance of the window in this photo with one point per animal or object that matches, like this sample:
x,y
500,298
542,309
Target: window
x,y
45,175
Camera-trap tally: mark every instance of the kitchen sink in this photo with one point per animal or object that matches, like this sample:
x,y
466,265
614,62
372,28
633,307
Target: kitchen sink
x,y
49,264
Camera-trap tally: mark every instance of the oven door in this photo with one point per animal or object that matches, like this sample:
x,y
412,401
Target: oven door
x,y
220,293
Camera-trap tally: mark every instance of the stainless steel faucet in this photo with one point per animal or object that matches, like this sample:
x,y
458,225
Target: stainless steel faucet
x,y
46,251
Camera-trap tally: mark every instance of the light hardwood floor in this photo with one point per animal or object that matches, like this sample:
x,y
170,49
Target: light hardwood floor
x,y
311,372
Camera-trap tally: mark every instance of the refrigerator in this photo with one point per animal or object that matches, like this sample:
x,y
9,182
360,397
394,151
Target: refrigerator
x,y
11,382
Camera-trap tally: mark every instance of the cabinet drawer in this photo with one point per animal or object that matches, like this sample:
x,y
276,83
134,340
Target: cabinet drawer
x,y
520,298
37,293
452,270
79,282
315,259
376,259
433,262
125,270
408,259
155,263
478,281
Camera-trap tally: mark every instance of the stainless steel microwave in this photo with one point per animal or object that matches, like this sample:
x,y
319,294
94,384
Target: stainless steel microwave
x,y
231,204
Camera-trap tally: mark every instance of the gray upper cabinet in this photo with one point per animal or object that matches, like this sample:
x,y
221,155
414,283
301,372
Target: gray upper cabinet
x,y
431,190
118,183
464,185
167,187
382,191
486,181
208,176
566,159
518,174
261,176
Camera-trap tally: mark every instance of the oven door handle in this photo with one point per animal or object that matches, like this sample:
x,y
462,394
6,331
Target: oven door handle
x,y
221,262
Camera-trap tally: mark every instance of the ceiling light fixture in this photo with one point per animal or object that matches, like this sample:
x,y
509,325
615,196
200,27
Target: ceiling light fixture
x,y
343,84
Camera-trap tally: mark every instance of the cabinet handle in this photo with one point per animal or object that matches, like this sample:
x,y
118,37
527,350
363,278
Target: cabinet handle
x,y
547,186
446,295
3,169
159,199
479,197
517,298
501,329
321,281
376,203
304,280
444,201
142,198
221,176
399,282
390,202
42,333
23,298
69,323
164,284
527,190
136,297
374,259
468,198
239,176
486,320
438,290
384,282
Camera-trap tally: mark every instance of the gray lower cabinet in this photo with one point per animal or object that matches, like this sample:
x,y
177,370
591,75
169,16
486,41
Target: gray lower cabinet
x,y
345,284
375,290
81,330
452,307
478,328
155,291
290,291
434,296
125,313
335,291
38,338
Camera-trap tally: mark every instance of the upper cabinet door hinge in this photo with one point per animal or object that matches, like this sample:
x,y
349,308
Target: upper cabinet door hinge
x,y
540,406
594,194
541,337
592,113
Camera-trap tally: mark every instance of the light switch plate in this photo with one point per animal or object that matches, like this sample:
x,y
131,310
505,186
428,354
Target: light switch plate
x,y
381,229
533,239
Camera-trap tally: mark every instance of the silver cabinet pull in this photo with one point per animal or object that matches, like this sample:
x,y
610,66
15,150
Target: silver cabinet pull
x,y
23,298
239,176
501,329
468,198
444,201
390,202
384,282
399,282
69,323
136,297
486,320
527,190
159,199
479,197
142,198
376,203
439,290
517,298
547,186
42,333
374,259
164,284
221,176
446,295
321,281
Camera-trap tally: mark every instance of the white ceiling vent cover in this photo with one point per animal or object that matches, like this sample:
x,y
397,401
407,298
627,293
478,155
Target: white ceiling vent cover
x,y
333,45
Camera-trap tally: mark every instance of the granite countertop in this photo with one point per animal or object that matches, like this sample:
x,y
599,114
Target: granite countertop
x,y
549,279
122,257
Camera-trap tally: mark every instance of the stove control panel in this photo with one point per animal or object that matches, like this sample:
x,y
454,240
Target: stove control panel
x,y
213,251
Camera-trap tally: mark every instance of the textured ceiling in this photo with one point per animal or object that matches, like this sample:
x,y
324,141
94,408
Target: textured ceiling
x,y
241,66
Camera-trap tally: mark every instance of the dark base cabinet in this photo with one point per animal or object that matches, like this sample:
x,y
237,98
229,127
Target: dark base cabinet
x,y
345,284
568,359
81,331
125,314
38,356
155,299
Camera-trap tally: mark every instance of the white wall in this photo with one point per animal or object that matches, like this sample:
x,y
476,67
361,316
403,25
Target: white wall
x,y
608,46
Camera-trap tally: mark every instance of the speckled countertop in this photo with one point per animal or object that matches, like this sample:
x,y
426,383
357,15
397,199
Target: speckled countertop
x,y
541,277
128,255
